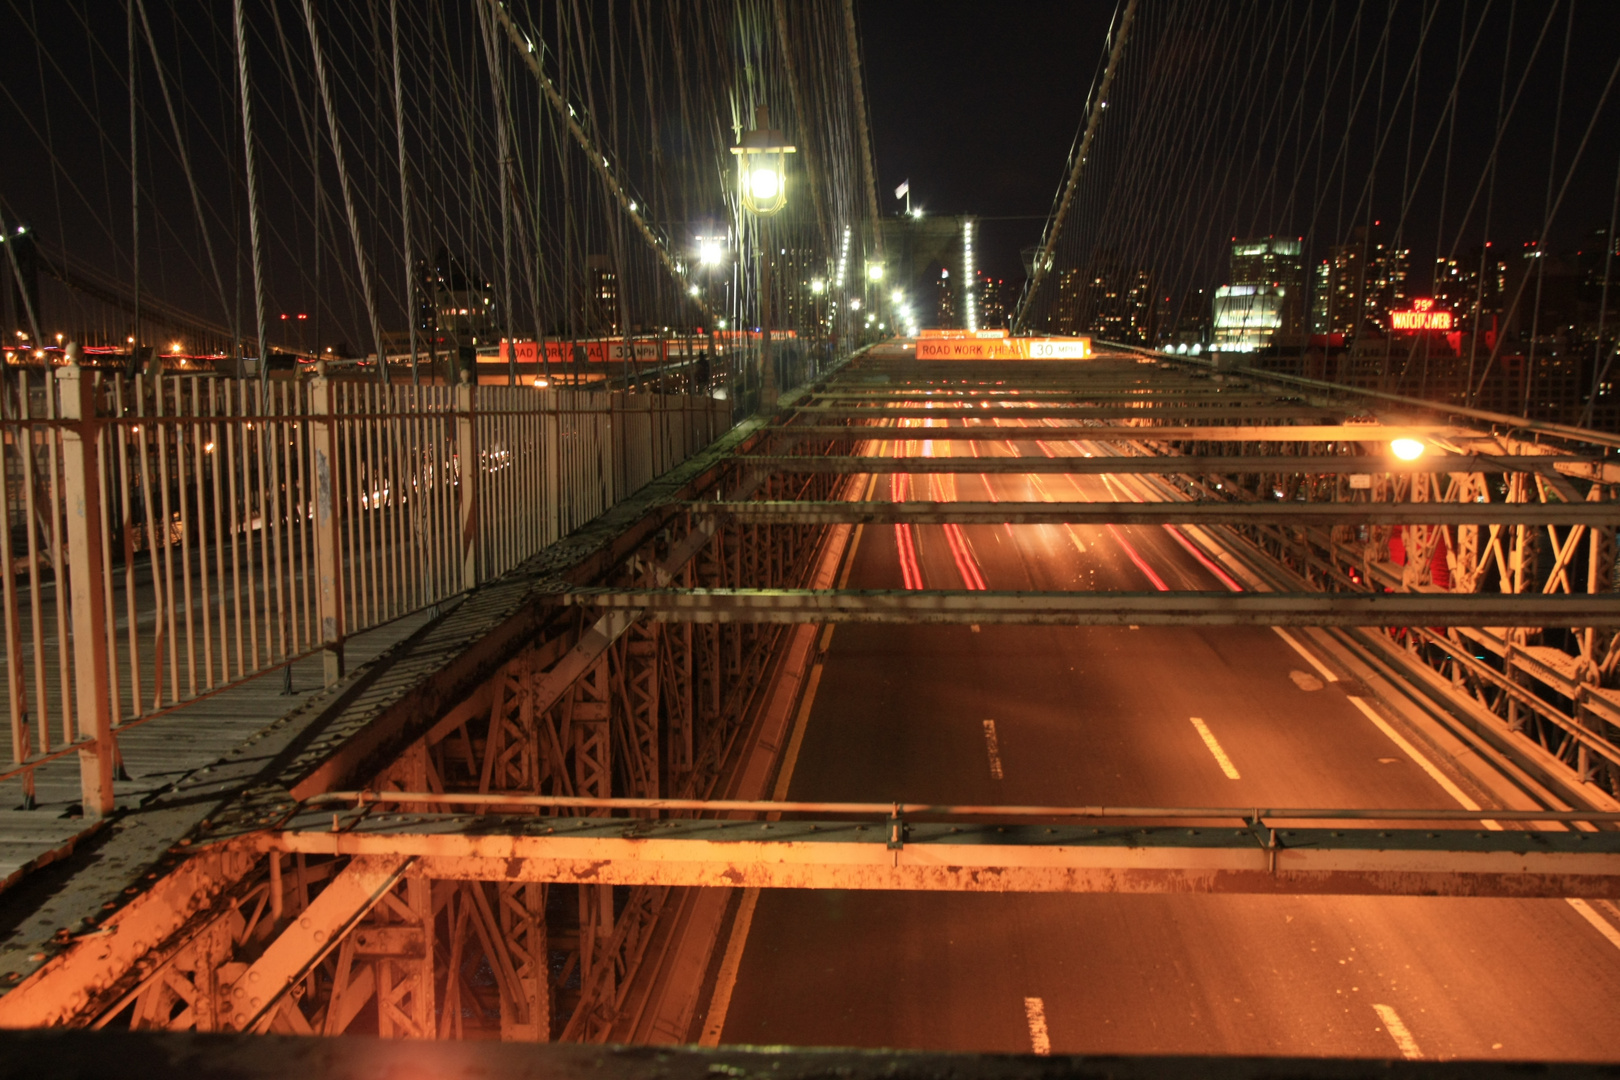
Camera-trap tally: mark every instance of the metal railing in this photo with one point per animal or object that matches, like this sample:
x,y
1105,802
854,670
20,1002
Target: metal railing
x,y
170,535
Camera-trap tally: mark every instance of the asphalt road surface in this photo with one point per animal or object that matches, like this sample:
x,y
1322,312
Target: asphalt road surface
x,y
1104,715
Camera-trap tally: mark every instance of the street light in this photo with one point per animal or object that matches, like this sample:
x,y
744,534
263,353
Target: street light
x,y
1406,449
762,187
762,166
874,271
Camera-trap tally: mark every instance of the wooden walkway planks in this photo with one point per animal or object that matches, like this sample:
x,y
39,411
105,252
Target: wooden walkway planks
x,y
159,752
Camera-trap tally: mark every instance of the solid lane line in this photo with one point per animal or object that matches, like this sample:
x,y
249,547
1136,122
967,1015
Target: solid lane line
x,y
994,748
1035,1013
1422,762
1321,668
1215,748
726,982
1599,923
1585,910
1399,1032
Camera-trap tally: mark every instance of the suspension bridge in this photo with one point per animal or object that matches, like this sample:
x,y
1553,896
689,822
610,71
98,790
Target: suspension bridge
x,y
509,540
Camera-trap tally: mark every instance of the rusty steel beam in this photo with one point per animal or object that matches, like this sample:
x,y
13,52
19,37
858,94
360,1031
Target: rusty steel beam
x,y
890,854
1162,513
1227,465
253,998
1103,608
1278,433
1219,412
1218,408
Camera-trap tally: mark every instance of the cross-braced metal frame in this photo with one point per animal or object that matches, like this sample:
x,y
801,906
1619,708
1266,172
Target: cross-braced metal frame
x,y
521,863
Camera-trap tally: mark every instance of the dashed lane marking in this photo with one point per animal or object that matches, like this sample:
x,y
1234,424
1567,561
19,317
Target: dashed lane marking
x,y
1035,1013
993,747
1399,1032
1215,748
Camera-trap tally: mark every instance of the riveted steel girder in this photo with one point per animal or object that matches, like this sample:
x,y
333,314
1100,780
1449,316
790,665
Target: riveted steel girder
x,y
982,857
1278,433
1104,608
1230,465
1165,513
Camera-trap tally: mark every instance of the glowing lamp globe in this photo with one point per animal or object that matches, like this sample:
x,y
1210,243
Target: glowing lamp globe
x,y
1406,449
762,166
764,184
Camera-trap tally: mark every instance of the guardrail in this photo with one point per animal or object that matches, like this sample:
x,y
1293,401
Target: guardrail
x,y
169,535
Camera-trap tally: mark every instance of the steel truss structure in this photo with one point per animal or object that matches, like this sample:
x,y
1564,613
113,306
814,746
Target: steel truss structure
x,y
519,854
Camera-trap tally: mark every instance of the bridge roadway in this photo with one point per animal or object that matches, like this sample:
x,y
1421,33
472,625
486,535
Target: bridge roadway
x,y
1103,715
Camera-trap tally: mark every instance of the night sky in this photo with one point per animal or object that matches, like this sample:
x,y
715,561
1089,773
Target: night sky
x,y
977,104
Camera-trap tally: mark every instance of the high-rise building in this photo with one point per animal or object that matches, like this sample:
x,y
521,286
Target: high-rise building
x,y
455,305
601,296
1065,317
992,302
1358,285
1111,300
945,300
1275,263
1246,317
1471,289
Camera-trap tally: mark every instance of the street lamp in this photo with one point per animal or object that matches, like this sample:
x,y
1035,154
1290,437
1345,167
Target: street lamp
x,y
711,250
762,186
762,166
1406,449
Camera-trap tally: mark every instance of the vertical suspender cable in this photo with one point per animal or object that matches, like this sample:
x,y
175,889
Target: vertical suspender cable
x,y
343,182
1098,103
134,195
191,182
404,193
252,189
503,152
853,41
1599,373
1541,252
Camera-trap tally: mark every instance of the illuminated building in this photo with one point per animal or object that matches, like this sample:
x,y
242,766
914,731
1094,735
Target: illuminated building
x,y
945,307
1458,288
992,302
1112,301
1357,286
1274,263
455,305
601,296
1066,303
1247,316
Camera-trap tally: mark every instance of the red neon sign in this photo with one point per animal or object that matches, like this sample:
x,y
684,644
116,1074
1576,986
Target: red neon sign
x,y
1421,317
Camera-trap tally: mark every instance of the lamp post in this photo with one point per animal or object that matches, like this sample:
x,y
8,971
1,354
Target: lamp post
x,y
762,183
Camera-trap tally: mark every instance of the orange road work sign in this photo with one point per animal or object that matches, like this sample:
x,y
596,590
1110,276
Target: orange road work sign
x,y
1003,348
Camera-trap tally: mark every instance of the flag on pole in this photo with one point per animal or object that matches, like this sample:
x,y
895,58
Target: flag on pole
x,y
903,190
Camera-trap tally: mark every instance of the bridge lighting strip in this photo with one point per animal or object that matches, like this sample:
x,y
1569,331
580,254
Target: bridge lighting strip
x,y
969,281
